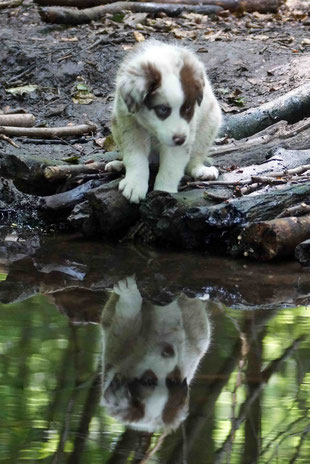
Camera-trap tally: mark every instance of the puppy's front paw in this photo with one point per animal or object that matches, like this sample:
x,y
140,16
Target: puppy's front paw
x,y
133,188
115,165
126,286
128,292
205,173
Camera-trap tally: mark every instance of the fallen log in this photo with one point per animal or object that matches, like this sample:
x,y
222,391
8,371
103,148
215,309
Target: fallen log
x,y
64,202
262,6
291,107
251,208
72,16
274,239
302,253
257,148
105,213
61,172
48,132
20,120
176,219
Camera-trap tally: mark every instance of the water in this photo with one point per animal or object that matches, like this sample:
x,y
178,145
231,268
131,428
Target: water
x,y
116,354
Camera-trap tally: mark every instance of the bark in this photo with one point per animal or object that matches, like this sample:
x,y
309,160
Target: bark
x,y
48,132
302,253
64,202
262,6
72,16
111,210
274,239
105,212
20,120
291,107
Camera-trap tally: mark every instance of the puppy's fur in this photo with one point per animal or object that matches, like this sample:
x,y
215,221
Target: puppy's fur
x,y
149,356
163,102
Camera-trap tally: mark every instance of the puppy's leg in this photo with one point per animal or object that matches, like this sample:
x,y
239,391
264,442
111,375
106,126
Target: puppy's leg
x,y
173,161
135,148
205,136
114,165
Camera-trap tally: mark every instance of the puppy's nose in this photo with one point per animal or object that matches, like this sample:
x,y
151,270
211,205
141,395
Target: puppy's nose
x,y
179,139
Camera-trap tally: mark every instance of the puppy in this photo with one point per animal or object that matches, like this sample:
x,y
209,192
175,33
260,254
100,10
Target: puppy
x,y
149,356
163,103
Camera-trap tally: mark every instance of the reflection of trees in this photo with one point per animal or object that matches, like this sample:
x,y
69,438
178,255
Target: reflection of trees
x,y
87,414
199,425
50,371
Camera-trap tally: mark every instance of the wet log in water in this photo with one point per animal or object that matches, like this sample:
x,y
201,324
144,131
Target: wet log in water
x,y
176,219
302,253
274,239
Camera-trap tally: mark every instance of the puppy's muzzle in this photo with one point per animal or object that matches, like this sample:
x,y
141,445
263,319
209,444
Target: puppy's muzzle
x,y
179,139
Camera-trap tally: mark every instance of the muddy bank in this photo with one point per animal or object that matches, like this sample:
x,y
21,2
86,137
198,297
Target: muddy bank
x,y
64,76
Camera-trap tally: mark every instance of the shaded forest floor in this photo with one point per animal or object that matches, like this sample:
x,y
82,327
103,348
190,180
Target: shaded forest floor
x,y
250,60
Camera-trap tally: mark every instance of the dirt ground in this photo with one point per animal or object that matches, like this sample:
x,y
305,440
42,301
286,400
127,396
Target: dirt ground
x,y
250,60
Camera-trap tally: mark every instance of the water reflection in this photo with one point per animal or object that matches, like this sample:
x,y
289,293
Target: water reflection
x,y
150,355
106,357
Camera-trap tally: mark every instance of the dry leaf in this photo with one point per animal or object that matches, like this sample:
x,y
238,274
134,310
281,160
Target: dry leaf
x,y
138,36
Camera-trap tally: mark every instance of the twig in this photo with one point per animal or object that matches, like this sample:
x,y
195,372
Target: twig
x,y
214,196
7,139
18,120
297,210
61,172
48,132
268,180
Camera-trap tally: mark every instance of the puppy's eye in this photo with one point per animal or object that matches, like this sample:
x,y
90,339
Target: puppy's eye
x,y
162,111
187,109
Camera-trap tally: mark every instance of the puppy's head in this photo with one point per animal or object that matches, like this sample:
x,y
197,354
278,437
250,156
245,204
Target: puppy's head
x,y
147,401
164,92
138,82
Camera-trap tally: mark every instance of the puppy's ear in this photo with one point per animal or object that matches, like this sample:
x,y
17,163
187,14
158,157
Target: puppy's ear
x,y
192,80
137,83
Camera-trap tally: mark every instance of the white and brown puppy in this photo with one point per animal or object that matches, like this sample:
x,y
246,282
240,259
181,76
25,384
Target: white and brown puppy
x,y
163,102
149,356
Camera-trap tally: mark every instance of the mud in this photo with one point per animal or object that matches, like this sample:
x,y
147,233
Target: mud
x,y
250,60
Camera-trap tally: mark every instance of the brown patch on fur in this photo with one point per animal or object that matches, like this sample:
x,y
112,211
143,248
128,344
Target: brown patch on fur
x,y
192,86
151,80
135,412
152,77
177,395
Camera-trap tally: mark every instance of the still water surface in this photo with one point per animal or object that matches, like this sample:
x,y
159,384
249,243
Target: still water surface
x,y
117,354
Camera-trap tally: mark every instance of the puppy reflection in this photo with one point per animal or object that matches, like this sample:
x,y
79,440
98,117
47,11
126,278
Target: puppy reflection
x,y
150,355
